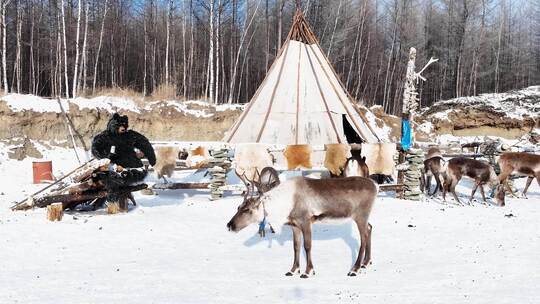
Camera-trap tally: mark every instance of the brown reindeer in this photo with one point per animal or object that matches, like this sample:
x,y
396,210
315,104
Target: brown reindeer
x,y
300,201
519,163
433,167
480,171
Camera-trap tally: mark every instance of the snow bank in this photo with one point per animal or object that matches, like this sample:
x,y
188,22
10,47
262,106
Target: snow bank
x,y
22,102
111,104
108,103
516,104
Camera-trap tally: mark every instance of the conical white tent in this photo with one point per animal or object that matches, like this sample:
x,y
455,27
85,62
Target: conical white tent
x,y
301,100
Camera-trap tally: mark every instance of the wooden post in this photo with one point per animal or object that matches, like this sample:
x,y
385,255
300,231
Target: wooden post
x,y
55,212
123,204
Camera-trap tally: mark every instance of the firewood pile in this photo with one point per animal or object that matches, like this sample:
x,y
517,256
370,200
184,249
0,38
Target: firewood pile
x,y
81,186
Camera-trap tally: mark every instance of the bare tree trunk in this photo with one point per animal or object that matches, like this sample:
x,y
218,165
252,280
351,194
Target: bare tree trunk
x,y
18,64
184,55
218,37
359,36
169,17
145,38
334,30
281,5
386,83
154,46
211,55
246,29
32,78
498,55
192,47
4,4
96,62
267,24
84,55
76,67
64,47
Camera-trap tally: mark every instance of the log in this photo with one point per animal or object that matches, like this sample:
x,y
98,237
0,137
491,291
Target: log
x,y
172,186
391,187
55,212
68,199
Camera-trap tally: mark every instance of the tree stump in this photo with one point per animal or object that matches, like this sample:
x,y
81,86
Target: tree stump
x,y
55,212
113,208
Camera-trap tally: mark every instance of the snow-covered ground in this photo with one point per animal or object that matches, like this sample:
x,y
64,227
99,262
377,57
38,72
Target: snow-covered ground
x,y
175,248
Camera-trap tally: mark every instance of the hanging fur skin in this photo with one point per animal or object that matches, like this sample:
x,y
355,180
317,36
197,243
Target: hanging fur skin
x,y
124,141
166,161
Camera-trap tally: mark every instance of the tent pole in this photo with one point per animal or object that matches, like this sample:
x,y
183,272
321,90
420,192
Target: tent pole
x,y
322,95
273,94
298,96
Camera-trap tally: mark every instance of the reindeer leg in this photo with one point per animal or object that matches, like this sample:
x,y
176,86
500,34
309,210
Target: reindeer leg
x,y
367,256
453,190
473,192
306,232
363,231
529,181
428,183
503,179
438,184
297,233
446,187
483,195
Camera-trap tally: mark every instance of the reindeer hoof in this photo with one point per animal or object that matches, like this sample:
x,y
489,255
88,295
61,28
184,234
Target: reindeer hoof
x,y
352,273
306,275
292,273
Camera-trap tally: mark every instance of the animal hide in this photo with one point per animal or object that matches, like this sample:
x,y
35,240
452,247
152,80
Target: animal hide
x,y
298,156
336,156
379,157
166,161
197,158
250,158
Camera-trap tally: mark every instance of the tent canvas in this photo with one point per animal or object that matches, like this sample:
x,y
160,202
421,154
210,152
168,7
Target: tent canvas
x,y
301,100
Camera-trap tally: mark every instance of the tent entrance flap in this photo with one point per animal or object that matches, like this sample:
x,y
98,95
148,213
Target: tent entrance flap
x,y
350,133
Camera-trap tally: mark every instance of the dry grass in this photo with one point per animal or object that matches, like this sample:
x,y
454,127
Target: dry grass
x,y
164,92
117,92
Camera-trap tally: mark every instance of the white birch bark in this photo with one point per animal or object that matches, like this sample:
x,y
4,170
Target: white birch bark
x,y
76,67
99,46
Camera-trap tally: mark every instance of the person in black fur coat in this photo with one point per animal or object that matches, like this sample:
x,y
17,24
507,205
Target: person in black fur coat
x,y
118,144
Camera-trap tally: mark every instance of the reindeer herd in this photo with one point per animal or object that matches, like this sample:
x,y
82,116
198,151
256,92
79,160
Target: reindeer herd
x,y
300,201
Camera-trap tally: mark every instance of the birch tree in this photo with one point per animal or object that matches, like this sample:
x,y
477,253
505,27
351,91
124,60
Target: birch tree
x,y
76,66
96,62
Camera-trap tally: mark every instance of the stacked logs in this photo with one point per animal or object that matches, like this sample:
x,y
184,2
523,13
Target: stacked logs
x,y
219,164
412,174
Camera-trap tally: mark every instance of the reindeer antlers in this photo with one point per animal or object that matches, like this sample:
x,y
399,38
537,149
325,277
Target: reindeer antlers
x,y
250,184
